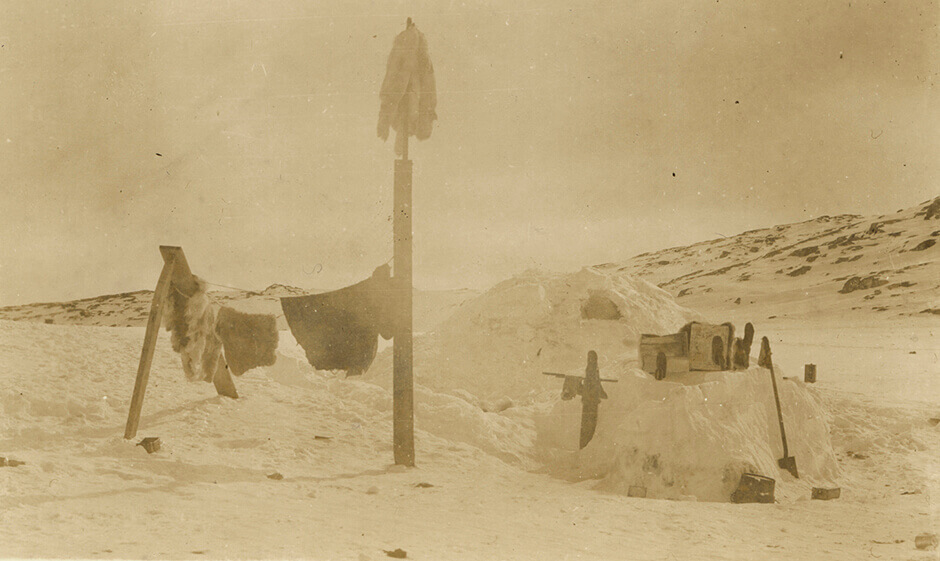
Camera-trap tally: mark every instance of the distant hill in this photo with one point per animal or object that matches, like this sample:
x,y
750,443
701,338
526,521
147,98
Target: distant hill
x,y
833,265
131,309
829,266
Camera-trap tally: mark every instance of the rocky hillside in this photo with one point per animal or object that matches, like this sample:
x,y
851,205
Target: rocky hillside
x,y
832,265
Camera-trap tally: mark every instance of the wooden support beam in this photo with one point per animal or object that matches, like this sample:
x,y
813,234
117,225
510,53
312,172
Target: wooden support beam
x,y
403,420
150,341
182,277
224,385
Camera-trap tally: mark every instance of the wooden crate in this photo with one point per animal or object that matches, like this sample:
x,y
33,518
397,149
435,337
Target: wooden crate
x,y
674,346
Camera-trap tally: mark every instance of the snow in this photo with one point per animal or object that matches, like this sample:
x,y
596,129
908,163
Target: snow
x,y
693,436
498,344
497,482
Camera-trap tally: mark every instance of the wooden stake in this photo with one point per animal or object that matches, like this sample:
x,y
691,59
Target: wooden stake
x,y
150,341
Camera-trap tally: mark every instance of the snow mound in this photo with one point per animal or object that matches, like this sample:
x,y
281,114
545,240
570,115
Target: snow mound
x,y
499,343
693,436
450,417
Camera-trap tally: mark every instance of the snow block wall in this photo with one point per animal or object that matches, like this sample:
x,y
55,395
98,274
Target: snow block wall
x,y
498,344
693,436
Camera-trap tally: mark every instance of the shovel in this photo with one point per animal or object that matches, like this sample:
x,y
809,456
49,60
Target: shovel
x,y
787,462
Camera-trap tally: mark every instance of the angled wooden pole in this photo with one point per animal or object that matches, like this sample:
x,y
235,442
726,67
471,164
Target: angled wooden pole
x,y
150,341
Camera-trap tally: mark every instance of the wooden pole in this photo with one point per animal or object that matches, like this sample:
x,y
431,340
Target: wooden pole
x,y
402,375
150,341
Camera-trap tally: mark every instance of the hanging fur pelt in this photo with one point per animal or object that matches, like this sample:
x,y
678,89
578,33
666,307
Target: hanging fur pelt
x,y
191,321
249,340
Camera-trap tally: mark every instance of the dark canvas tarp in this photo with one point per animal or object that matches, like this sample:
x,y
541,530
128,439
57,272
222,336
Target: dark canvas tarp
x,y
339,330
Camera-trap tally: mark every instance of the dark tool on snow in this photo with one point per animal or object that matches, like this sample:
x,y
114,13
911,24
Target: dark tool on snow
x,y
765,360
591,392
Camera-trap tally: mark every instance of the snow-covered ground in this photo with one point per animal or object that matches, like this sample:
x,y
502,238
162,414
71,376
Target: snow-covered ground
x,y
300,465
480,491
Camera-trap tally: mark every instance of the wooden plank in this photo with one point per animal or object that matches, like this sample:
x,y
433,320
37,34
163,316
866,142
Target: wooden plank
x,y
224,384
673,346
182,277
403,422
150,341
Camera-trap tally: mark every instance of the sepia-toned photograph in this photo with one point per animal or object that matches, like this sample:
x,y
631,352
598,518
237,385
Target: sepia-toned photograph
x,y
440,280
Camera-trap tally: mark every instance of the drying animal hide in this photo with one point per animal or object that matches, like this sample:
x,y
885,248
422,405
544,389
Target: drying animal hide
x,y
249,340
409,93
339,330
191,321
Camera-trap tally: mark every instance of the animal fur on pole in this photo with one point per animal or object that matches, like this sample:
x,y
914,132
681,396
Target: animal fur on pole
x,y
184,282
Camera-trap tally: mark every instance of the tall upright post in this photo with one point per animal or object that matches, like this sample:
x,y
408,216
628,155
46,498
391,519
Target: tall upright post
x,y
403,377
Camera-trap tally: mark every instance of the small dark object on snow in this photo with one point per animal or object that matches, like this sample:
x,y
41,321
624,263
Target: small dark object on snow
x,y
926,542
151,444
318,437
10,463
636,491
809,373
397,554
857,455
423,485
275,476
933,421
50,321
754,488
822,494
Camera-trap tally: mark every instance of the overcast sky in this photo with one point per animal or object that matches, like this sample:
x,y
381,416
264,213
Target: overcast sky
x,y
569,133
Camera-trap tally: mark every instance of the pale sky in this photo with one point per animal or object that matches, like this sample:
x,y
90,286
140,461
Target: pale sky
x,y
561,126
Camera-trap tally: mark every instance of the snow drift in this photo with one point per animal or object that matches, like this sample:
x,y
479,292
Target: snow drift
x,y
499,343
693,435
